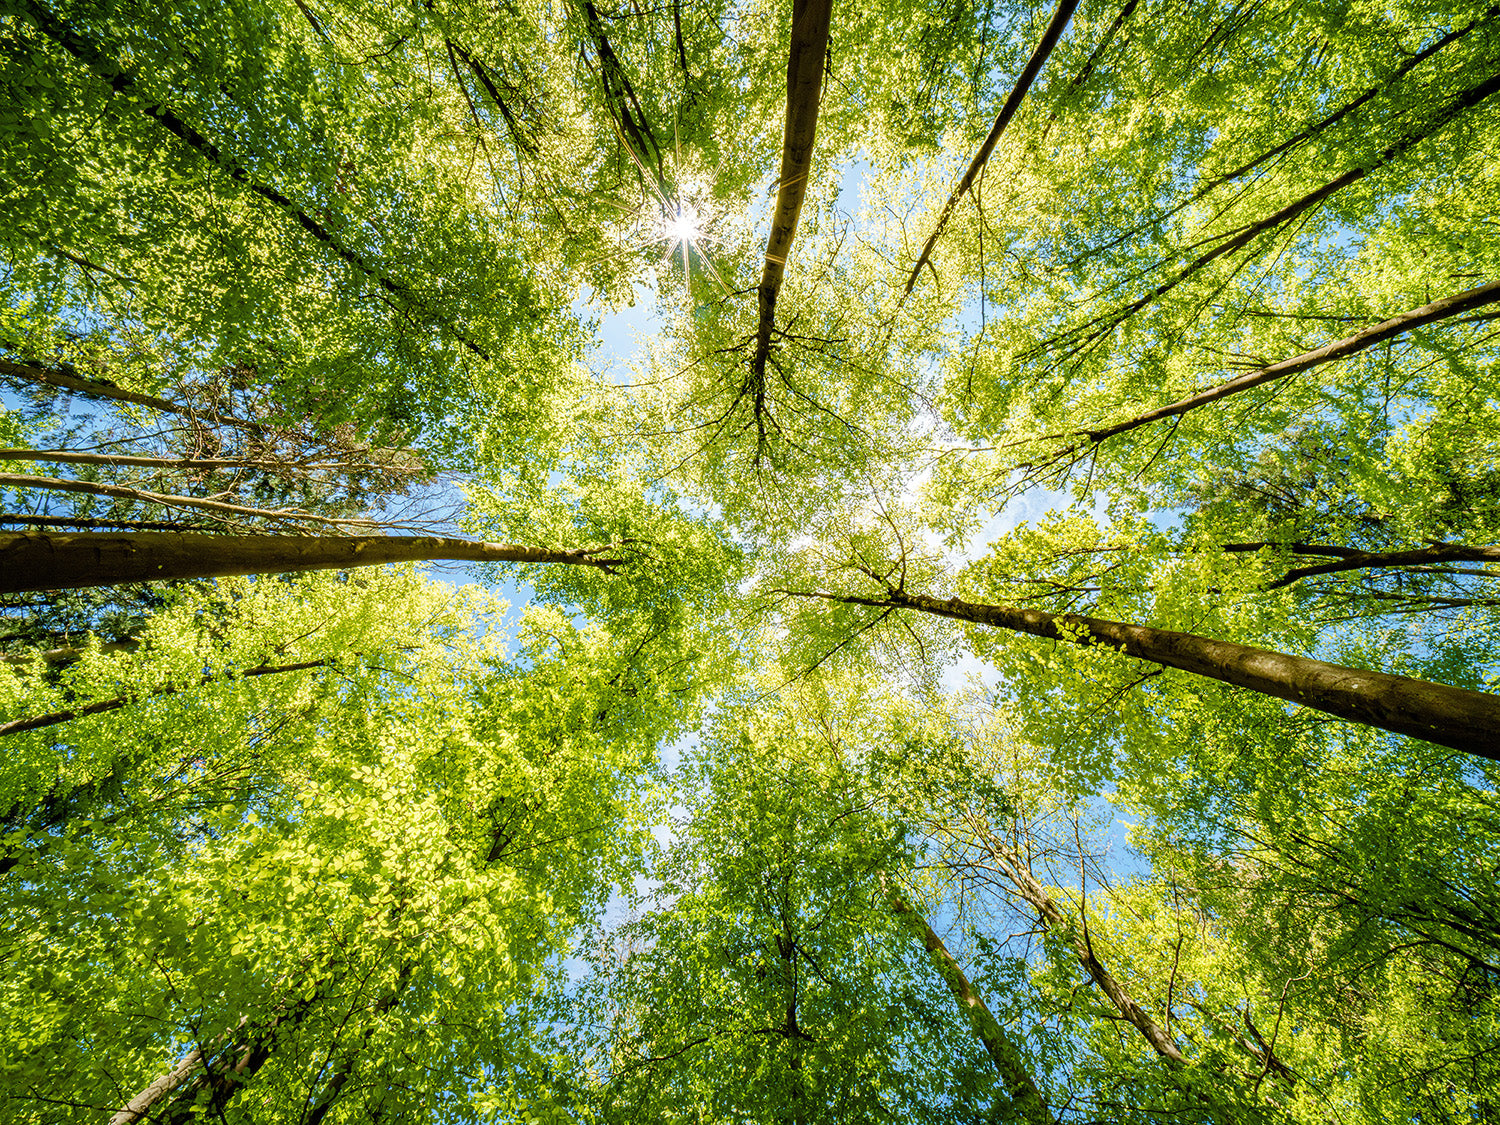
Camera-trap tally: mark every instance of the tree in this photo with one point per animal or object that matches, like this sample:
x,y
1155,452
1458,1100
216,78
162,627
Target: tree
x,y
465,860
1139,359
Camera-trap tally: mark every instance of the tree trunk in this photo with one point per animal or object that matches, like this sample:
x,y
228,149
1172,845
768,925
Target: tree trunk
x,y
1238,239
1060,18
804,91
1007,1059
1449,716
16,726
142,1104
168,500
1020,876
123,83
1370,560
70,457
98,388
39,561
68,654
1466,301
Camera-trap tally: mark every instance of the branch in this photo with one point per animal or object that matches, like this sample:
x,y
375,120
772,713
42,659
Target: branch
x,y
123,84
1467,301
17,726
1421,556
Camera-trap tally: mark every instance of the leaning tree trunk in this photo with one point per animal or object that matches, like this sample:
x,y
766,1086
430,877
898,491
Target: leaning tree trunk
x,y
52,719
1060,17
37,561
1443,309
1025,1096
1449,716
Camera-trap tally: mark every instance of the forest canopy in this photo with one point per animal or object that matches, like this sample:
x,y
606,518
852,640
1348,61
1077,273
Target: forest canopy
x,y
1017,639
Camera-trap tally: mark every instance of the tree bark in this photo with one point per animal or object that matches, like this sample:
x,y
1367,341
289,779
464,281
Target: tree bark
x,y
1467,301
67,654
98,388
1060,18
1020,876
620,94
142,1104
168,500
16,726
123,84
40,561
70,457
1238,239
1448,716
1007,1059
1367,560
804,90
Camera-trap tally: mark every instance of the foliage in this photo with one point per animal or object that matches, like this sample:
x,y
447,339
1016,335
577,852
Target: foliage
x,y
706,833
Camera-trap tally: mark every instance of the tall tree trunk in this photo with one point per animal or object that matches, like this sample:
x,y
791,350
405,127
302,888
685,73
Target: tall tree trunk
x,y
1014,868
804,90
141,1106
1059,21
625,106
168,500
71,457
1026,1098
1443,309
98,388
39,722
1448,716
1372,560
57,657
39,561
1238,239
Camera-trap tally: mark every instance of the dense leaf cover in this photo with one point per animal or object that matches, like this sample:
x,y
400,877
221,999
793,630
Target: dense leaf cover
x,y
900,750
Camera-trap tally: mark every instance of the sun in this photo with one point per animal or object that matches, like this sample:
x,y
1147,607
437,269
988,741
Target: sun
x,y
682,225
687,233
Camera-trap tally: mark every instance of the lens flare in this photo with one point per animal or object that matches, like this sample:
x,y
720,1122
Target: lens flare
x,y
683,225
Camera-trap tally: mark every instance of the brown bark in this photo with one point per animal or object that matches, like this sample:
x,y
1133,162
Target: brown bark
x,y
1467,301
1364,560
96,388
1448,716
1304,135
625,105
1003,1053
40,561
65,655
16,726
69,457
1060,18
93,524
804,90
143,1103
